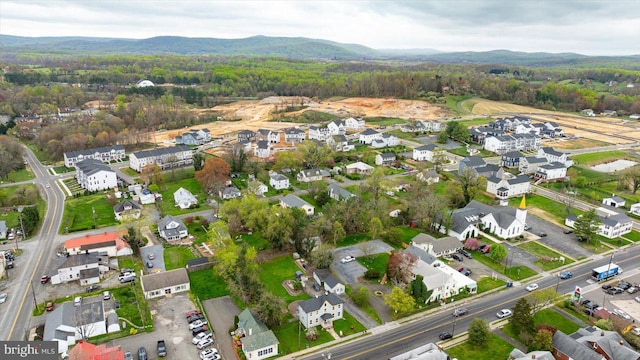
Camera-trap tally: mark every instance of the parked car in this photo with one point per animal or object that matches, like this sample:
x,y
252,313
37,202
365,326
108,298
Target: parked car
x,y
621,313
527,227
632,290
149,264
204,343
77,301
198,330
194,318
93,288
566,275
457,257
482,246
486,249
606,287
465,253
3,297
542,234
532,287
193,312
208,353
445,336
50,306
460,268
636,331
637,298
624,285
196,324
586,302
568,231
203,335
347,259
45,279
466,272
615,291
142,353
460,311
151,256
503,313
106,295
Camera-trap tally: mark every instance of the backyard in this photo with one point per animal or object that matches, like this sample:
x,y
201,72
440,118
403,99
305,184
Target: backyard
x,y
207,284
273,273
87,212
291,337
495,348
176,257
545,316
167,205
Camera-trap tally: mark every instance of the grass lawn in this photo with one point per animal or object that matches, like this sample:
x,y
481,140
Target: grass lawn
x,y
256,240
542,251
21,175
486,283
634,236
63,169
197,231
376,262
78,213
176,257
554,208
287,334
408,233
545,316
353,239
275,272
133,306
348,325
366,308
495,348
167,205
207,284
515,273
475,122
128,171
593,248
601,157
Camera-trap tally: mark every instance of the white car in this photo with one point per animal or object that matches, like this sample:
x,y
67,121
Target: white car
x,y
637,298
77,301
503,313
204,343
621,313
207,354
196,324
3,297
347,259
532,287
203,335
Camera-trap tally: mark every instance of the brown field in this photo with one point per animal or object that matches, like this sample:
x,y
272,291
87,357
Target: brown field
x,y
580,143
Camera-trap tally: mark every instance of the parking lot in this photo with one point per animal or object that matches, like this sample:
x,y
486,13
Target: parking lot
x,y
351,271
624,301
556,239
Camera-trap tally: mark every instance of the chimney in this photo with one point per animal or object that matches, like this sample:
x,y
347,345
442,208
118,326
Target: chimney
x,y
602,333
621,342
250,331
533,356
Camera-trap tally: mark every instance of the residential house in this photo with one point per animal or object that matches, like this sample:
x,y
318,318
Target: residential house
x,y
416,126
143,195
93,175
367,136
87,351
553,155
552,171
508,187
230,192
511,159
172,229
85,267
472,162
428,351
3,229
262,149
609,113
321,310
634,209
67,324
530,164
504,222
336,127
490,170
319,133
270,136
527,129
165,157
385,140
294,135
293,201
130,209
516,354
338,193
256,187
309,175
424,152
184,199
437,247
614,201
194,137
329,282
612,224
592,343
429,176
443,281
337,142
350,146
278,181
515,142
388,158
109,243
165,283
354,124
480,134
359,168
549,130
258,342
436,126
246,136
103,154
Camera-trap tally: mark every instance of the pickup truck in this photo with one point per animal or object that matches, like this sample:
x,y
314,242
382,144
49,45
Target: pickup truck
x,y
162,348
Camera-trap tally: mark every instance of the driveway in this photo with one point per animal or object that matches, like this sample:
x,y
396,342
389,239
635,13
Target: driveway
x,y
155,255
221,312
170,325
350,272
556,239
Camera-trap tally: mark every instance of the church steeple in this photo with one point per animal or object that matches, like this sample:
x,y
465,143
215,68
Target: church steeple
x,y
523,203
521,211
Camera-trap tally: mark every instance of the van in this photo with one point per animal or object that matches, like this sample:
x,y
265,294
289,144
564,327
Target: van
x,y
77,301
127,278
636,331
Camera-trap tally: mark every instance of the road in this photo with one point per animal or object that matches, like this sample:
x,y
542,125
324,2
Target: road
x,y
383,344
16,314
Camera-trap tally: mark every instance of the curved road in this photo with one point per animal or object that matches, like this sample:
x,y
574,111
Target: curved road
x,y
16,314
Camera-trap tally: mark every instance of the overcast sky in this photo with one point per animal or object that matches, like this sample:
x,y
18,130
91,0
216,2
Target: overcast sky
x,y
607,27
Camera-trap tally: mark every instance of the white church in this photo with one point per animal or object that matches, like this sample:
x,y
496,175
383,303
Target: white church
x,y
505,222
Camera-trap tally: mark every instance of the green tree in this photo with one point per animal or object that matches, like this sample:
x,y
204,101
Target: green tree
x,y
338,232
522,319
30,220
313,154
442,137
198,161
399,301
321,256
543,341
375,227
470,182
479,332
630,179
498,252
271,309
587,225
419,289
360,296
133,239
580,181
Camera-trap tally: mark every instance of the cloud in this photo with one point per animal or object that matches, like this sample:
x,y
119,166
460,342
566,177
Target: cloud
x,y
588,26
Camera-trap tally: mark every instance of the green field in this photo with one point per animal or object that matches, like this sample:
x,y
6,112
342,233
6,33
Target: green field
x,y
207,284
176,257
78,213
21,175
495,348
275,272
348,325
516,272
63,169
634,236
541,251
545,316
486,283
376,262
256,240
291,337
554,208
591,159
167,205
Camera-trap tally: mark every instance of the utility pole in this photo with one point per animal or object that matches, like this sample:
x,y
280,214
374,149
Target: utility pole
x,y
20,208
35,302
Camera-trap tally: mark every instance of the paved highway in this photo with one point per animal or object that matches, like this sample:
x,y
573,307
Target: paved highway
x,y
16,312
383,345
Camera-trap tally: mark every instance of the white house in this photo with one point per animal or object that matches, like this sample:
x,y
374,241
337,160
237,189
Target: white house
x,y
329,282
230,192
429,176
293,201
256,187
338,193
359,168
258,342
367,136
165,283
552,171
293,135
262,149
130,209
505,188
94,175
321,310
278,181
635,209
67,323
166,158
184,199
424,153
614,201
612,224
385,158
194,137
428,351
515,142
503,221
271,136
172,229
85,267
309,175
553,155
336,127
142,195
109,243
103,154
437,247
337,142
354,124
385,140
530,164
319,133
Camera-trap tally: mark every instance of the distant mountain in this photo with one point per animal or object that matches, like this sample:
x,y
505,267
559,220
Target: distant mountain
x,y
293,47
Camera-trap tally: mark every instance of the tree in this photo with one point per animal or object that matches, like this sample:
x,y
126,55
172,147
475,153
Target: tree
x,y
399,301
587,225
442,137
498,252
479,332
270,309
286,160
543,341
360,296
321,256
338,232
541,298
198,161
630,178
472,243
132,237
375,227
214,175
151,174
11,153
470,182
419,290
30,220
522,319
312,154
236,157
399,267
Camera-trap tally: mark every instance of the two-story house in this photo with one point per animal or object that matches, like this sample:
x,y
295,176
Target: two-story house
x,y
321,310
258,342
262,149
424,152
385,159
337,142
278,181
194,137
271,136
319,133
511,159
294,135
165,157
367,136
553,155
354,124
553,171
337,127
246,135
104,154
172,229
309,175
94,175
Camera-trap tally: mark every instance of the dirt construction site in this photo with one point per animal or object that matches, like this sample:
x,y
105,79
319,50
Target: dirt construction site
x,y
258,114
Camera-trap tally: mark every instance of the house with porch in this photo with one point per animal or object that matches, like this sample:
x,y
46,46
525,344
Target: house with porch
x,y
387,158
258,342
511,159
246,136
530,164
104,154
367,136
321,310
294,135
553,171
359,168
508,187
612,224
553,155
437,247
230,192
424,152
262,149
172,229
278,181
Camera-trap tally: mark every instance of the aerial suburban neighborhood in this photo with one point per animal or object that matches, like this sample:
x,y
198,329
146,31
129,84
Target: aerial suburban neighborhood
x,y
193,206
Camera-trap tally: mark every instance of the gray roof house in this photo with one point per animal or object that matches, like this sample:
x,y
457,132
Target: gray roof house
x,y
128,207
172,229
592,343
184,199
429,351
165,283
338,193
230,192
437,247
293,201
614,200
258,342
68,323
320,310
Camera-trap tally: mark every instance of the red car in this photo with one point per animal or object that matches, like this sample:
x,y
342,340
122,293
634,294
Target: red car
x,y
190,313
45,279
